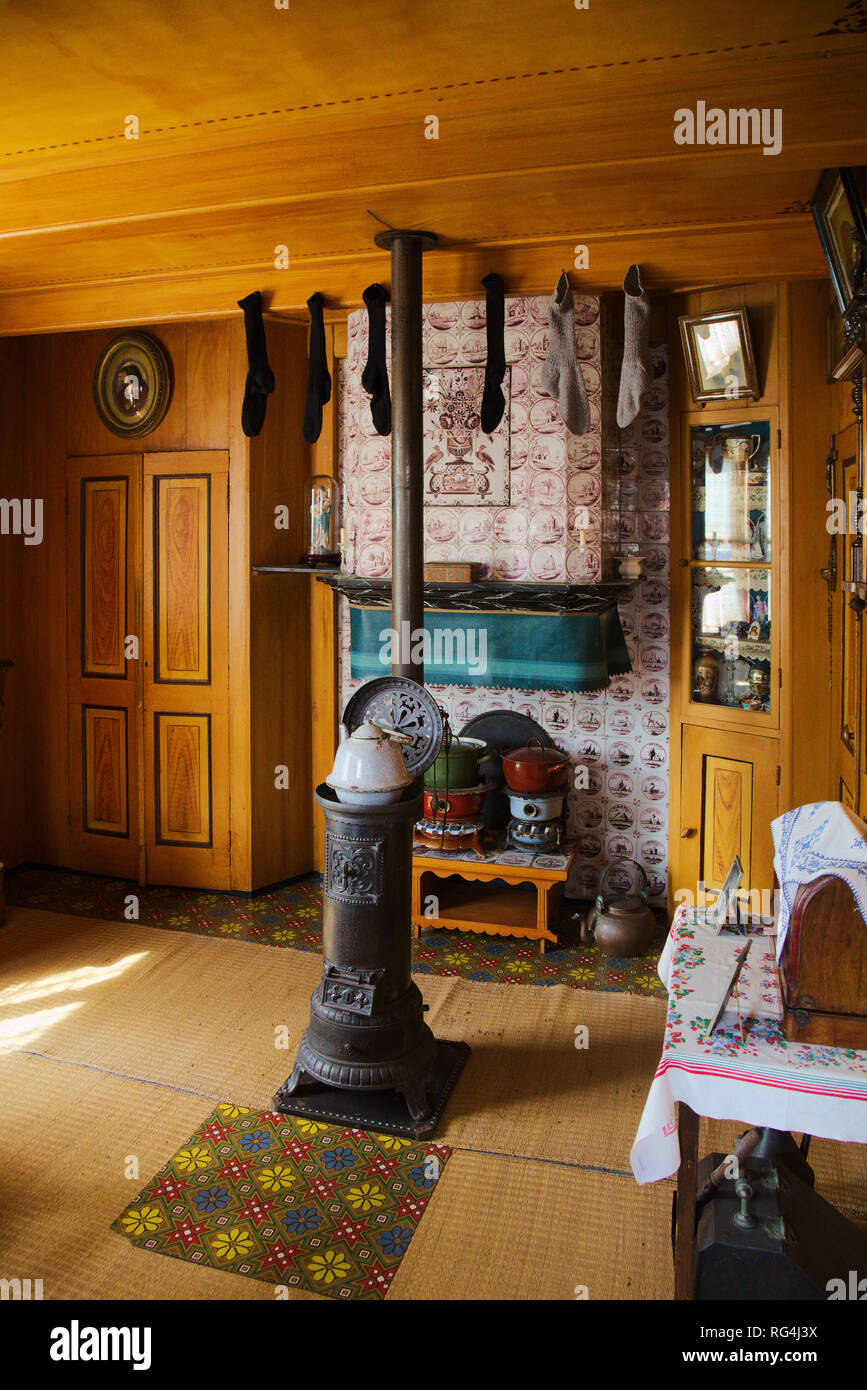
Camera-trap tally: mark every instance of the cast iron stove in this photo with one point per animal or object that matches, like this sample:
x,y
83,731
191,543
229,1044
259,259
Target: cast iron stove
x,y
367,1059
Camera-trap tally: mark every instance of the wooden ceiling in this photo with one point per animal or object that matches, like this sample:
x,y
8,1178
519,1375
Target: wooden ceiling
x,y
262,127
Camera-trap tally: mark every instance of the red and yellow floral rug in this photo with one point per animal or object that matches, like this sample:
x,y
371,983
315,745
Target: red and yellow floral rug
x,y
290,1201
292,916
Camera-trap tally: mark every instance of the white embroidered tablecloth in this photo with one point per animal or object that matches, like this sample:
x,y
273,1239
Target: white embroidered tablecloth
x,y
762,1080
824,837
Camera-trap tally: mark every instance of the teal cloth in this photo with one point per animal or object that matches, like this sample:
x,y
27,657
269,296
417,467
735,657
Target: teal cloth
x,y
520,651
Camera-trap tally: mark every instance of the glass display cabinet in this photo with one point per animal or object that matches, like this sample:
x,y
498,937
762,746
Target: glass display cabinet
x,y
731,559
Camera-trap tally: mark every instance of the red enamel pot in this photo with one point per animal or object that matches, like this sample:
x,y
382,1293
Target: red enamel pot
x,y
455,804
535,770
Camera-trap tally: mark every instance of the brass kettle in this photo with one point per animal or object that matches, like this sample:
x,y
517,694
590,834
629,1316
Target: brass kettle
x,y
622,926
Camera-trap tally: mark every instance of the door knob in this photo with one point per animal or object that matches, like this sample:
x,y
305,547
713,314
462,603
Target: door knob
x,y
688,832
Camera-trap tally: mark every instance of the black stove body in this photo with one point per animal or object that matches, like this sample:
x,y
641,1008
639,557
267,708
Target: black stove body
x,y
367,1058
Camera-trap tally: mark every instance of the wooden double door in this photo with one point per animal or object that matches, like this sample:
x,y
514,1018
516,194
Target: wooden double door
x,y
148,667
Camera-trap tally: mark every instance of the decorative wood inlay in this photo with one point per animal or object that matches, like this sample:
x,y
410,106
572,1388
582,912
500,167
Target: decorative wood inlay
x,y
182,598
727,818
104,517
105,755
182,751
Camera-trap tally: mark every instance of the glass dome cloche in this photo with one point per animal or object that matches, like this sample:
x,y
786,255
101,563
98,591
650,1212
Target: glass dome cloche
x,y
321,524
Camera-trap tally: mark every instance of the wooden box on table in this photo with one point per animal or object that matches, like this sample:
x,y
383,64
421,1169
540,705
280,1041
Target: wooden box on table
x,y
823,967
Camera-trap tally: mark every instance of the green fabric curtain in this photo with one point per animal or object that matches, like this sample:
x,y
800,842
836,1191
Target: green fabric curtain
x,y
520,651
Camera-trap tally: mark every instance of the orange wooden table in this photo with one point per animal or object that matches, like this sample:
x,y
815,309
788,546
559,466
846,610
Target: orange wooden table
x,y
485,896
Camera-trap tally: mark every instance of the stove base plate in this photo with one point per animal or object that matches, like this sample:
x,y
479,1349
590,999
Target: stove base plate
x,y
383,1111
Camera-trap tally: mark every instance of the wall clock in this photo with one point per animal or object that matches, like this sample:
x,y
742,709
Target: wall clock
x,y
132,385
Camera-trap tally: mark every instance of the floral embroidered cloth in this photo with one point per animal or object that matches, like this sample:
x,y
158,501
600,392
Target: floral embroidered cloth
x,y
822,838
762,1079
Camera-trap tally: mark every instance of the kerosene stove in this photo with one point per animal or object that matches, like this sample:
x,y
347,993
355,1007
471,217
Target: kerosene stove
x,y
367,1058
536,821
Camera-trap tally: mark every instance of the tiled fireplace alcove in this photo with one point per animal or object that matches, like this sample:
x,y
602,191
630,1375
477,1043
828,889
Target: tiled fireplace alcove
x,y
621,478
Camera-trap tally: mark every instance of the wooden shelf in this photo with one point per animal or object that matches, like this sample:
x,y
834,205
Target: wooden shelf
x,y
470,905
488,594
292,569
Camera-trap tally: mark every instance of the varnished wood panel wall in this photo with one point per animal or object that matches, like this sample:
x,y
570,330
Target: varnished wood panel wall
x,y
280,645
14,561
809,429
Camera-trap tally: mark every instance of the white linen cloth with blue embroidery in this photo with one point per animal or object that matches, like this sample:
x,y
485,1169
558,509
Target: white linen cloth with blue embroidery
x,y
821,838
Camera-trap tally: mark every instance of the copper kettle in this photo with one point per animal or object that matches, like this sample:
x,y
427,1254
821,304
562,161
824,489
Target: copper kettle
x,y
622,926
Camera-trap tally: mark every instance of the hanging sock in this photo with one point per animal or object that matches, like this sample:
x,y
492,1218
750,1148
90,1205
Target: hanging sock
x,y
318,375
635,374
260,378
562,372
374,378
493,400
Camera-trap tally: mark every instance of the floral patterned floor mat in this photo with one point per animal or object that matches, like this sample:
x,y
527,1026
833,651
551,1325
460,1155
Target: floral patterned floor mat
x,y
292,916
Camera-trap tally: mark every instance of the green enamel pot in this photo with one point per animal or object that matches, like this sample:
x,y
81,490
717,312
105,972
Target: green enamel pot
x,y
457,765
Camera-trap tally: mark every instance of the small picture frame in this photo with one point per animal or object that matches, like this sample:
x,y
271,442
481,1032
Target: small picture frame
x,y
740,962
719,356
132,385
838,212
717,914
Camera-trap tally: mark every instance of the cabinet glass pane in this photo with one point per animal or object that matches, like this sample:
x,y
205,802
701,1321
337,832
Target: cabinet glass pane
x,y
731,637
730,491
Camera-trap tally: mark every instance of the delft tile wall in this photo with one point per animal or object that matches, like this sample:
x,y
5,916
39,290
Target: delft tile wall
x,y
615,485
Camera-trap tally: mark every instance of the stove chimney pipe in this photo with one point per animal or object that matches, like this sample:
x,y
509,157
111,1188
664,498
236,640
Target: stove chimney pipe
x,y
407,444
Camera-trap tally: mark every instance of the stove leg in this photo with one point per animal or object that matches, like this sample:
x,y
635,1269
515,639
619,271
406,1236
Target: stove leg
x,y
298,1077
416,1099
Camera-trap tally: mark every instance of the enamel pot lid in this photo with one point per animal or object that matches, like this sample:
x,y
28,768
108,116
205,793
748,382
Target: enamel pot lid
x,y
536,755
401,705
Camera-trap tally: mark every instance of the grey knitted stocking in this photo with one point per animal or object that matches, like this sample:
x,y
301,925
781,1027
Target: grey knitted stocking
x,y
562,373
635,374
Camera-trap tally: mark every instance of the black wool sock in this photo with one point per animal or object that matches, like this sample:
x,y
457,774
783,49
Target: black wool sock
x,y
374,378
318,377
493,400
260,378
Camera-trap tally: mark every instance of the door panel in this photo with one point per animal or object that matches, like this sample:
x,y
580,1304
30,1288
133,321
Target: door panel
x,y
727,818
105,744
729,796
185,669
183,762
182,599
104,578
103,504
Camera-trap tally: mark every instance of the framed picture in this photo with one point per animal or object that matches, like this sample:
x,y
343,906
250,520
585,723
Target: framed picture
x,y
838,211
132,385
719,356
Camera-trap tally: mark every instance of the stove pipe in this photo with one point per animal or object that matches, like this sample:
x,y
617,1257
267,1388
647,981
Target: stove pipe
x,y
407,444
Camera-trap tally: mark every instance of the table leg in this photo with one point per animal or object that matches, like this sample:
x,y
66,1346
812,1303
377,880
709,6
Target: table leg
x,y
687,1178
416,903
541,913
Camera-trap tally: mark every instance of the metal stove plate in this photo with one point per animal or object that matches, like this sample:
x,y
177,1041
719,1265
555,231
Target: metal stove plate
x,y
402,704
384,1112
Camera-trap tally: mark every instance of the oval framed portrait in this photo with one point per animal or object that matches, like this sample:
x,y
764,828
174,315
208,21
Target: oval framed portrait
x,y
132,384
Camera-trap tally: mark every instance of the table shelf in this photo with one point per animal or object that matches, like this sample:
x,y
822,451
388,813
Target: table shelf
x,y
489,898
